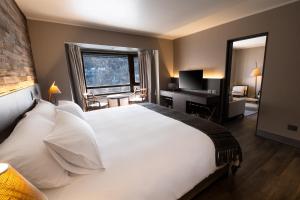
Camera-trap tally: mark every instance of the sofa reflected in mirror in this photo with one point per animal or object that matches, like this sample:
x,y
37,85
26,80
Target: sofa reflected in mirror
x,y
239,91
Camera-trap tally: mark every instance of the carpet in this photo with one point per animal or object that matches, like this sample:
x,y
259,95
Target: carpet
x,y
250,109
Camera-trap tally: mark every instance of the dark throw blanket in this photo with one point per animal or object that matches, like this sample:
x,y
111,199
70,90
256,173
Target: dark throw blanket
x,y
228,150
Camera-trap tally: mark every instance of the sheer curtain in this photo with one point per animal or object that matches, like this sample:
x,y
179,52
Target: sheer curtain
x,y
76,73
149,73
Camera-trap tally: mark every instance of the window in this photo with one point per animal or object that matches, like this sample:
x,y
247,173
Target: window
x,y
110,73
136,69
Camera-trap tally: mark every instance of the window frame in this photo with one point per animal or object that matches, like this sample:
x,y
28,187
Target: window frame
x,y
130,57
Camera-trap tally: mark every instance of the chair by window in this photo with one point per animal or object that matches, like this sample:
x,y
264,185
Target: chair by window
x,y
138,96
92,102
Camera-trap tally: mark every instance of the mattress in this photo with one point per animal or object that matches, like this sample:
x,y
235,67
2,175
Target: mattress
x,y
146,155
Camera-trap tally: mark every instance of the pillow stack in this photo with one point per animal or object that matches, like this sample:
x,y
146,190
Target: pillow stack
x,y
73,144
25,151
50,143
72,108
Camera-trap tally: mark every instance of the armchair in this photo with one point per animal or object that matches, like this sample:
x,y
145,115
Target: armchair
x,y
240,91
138,96
92,102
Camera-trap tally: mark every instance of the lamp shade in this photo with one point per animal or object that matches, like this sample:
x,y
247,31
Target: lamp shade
x,y
14,186
256,72
54,89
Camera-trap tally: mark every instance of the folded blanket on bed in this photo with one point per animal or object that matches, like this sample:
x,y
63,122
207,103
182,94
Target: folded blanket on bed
x,y
228,150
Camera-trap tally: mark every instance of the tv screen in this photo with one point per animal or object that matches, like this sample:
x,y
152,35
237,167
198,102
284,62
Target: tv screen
x,y
191,79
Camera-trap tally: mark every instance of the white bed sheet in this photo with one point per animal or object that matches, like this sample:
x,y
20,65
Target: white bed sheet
x,y
147,156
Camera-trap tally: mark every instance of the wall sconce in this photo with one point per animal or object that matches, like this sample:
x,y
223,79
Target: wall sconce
x,y
213,74
175,75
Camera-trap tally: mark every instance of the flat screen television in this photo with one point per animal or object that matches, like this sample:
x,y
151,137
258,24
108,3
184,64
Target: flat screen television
x,y
191,80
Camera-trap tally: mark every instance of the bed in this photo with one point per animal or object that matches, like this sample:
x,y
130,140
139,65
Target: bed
x,y
150,152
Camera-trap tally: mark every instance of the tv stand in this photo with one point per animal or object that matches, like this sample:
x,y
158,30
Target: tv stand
x,y
190,101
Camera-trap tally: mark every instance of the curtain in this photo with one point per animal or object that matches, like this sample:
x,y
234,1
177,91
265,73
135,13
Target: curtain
x,y
76,74
149,75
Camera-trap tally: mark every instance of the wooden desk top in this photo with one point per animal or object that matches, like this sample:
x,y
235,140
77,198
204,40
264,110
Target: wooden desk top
x,y
199,94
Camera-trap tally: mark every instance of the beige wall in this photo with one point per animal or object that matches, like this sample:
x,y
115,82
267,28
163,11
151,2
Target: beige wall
x,y
281,95
47,40
243,62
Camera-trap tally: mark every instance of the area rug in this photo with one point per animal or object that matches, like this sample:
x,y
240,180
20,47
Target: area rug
x,y
250,109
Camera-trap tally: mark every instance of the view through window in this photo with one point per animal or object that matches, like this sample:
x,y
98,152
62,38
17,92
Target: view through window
x,y
136,70
110,73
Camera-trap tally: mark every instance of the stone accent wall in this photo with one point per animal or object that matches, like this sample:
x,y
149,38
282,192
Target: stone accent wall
x,y
16,63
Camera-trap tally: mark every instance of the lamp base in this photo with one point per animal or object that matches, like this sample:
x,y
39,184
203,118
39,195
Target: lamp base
x,y
53,99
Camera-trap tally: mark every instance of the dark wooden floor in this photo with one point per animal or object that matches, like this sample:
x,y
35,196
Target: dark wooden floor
x,y
270,170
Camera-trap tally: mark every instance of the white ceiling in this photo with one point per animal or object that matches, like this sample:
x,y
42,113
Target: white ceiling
x,y
250,43
160,18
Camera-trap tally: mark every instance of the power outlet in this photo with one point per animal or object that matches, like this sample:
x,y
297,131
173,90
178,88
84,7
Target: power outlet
x,y
292,127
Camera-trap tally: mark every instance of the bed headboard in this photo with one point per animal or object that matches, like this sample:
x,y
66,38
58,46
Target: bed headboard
x,y
14,105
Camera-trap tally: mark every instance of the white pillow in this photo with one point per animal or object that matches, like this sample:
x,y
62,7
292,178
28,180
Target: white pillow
x,y
73,144
45,109
71,107
25,151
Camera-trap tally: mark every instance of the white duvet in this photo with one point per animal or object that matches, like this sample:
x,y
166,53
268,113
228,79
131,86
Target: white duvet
x,y
147,156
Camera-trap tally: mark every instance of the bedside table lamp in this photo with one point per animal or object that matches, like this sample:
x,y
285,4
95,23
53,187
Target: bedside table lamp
x,y
14,186
53,91
255,73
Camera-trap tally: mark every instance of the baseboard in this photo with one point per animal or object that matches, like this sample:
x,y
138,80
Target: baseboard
x,y
278,138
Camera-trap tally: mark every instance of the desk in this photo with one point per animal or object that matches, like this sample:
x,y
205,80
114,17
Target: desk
x,y
182,99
